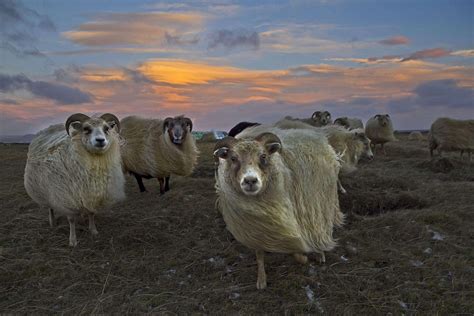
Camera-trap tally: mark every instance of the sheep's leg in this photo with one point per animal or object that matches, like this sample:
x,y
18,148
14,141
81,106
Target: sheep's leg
x,y
322,258
300,258
92,227
340,187
261,276
383,150
461,153
162,185
140,182
167,183
72,231
52,219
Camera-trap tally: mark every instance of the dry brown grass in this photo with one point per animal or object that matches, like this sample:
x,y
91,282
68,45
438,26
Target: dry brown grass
x,y
172,253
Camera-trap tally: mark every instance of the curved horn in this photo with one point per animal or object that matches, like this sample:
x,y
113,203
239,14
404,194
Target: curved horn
x,y
189,123
166,122
315,114
222,147
271,142
75,118
108,117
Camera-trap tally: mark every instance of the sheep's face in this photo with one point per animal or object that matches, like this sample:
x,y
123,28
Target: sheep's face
x,y
177,128
323,118
342,121
248,162
94,132
383,119
366,150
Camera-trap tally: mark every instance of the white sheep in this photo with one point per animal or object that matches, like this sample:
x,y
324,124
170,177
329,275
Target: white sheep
x,y
379,130
277,191
448,134
76,170
156,148
349,122
415,136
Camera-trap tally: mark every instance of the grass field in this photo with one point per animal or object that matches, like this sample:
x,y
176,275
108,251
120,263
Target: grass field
x,y
407,247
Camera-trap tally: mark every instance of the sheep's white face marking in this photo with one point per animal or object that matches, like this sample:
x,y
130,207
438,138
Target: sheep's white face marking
x,y
251,181
95,135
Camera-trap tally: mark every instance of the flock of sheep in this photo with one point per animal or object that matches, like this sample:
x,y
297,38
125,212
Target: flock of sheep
x,y
277,185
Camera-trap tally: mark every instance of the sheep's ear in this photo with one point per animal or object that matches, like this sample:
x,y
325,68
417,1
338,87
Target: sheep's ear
x,y
316,114
387,115
166,123
222,148
112,120
271,141
189,123
75,121
377,116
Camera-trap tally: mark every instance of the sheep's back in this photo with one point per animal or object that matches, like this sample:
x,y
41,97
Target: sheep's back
x,y
453,134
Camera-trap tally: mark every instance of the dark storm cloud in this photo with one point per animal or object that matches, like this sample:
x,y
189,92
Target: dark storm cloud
x,y
19,26
62,94
234,38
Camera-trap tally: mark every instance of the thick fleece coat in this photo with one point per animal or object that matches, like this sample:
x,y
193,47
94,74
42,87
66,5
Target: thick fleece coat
x,y
149,152
448,134
299,208
377,133
61,174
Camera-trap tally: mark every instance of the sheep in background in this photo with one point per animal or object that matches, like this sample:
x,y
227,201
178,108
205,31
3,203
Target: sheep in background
x,y
379,130
76,170
349,122
448,134
318,119
415,136
277,191
157,148
240,127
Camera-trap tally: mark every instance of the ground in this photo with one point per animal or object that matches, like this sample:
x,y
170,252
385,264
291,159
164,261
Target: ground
x,y
407,247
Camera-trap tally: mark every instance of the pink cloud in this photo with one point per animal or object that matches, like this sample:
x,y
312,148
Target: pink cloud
x,y
395,40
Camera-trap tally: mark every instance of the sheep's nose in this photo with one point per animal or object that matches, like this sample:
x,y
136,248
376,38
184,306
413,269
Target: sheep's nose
x,y
100,141
250,180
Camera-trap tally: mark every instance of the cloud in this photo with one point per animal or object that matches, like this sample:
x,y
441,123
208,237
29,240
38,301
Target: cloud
x,y
395,40
370,60
428,53
19,26
230,39
150,28
445,92
463,53
59,93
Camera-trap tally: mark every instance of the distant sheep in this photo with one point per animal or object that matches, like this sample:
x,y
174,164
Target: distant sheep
x,y
415,136
318,119
76,170
448,134
349,122
240,127
277,191
379,130
156,148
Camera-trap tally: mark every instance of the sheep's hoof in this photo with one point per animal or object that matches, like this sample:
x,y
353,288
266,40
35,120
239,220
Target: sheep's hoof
x,y
261,284
94,232
322,258
342,190
300,258
73,243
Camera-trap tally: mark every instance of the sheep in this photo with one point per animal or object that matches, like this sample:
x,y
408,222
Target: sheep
x,y
349,122
415,136
318,119
156,148
277,192
76,170
379,130
448,134
240,127
350,145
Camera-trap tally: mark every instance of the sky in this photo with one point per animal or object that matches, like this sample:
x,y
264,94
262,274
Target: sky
x,y
220,62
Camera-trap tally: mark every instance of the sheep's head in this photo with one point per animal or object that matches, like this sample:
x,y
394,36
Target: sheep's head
x,y
342,121
248,162
94,132
177,128
365,148
383,119
323,118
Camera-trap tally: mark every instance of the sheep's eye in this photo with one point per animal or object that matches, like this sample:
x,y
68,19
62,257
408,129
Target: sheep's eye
x,y
87,130
233,159
263,159
106,129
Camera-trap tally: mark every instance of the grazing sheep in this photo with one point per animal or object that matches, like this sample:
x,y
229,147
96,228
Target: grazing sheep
x,y
240,127
76,170
379,130
349,122
415,136
157,148
318,119
277,191
448,134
